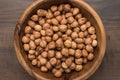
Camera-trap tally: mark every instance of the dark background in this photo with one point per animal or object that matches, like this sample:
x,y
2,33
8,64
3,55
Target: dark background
x,y
10,10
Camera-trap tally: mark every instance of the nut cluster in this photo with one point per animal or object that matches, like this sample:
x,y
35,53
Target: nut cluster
x,y
59,39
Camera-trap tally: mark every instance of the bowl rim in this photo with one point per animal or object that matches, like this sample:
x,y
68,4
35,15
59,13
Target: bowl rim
x,y
27,67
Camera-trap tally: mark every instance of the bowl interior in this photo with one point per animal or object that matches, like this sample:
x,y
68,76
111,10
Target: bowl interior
x,y
90,67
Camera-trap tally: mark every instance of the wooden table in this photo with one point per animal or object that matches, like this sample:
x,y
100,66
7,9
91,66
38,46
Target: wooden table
x,y
10,10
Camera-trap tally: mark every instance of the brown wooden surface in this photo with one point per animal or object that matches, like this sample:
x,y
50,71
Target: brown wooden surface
x,y
10,69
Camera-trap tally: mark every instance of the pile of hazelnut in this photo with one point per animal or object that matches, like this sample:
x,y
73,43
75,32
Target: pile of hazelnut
x,y
59,39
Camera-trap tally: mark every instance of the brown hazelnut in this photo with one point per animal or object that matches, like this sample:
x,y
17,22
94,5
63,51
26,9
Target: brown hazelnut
x,y
42,32
77,29
89,48
28,29
81,21
78,53
64,65
80,46
68,32
84,53
78,67
46,26
53,8
63,28
58,73
85,33
59,18
41,12
58,64
25,39
64,37
54,21
49,15
74,45
31,57
74,24
81,34
64,52
68,61
55,37
36,34
49,21
32,45
60,7
44,54
94,43
51,45
67,70
26,47
51,53
35,17
68,43
39,49
37,41
49,32
32,37
91,30
59,43
31,23
79,40
41,21
93,36
58,55
72,67
78,16
90,56
63,21
31,51
84,60
75,11
43,69
43,61
83,27
48,39
88,24
55,28
48,65
43,43
69,14
36,53
71,52
70,20
74,35
34,62
53,61
79,61
56,13
88,41
67,7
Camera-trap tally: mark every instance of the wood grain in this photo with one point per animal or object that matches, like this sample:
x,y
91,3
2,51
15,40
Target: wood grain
x,y
12,9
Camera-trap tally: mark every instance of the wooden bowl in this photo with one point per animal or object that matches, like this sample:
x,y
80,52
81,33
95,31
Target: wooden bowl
x,y
88,12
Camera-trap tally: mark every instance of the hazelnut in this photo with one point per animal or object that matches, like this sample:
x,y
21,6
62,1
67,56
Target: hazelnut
x,y
67,7
41,21
48,65
89,48
79,61
36,53
59,18
49,15
55,28
31,23
84,60
88,41
41,12
36,34
77,29
79,40
78,16
81,34
69,14
88,24
28,29
91,30
70,20
56,13
39,49
43,69
43,43
63,21
25,39
34,62
78,67
74,24
46,26
63,28
60,7
68,32
58,73
31,51
51,45
55,37
37,41
58,55
72,67
44,54
32,37
81,21
35,17
78,53
42,32
68,61
53,61
54,21
26,47
31,57
64,65
68,43
67,70
64,52
32,45
48,39
58,64
90,56
74,45
94,43
59,43
51,53
43,61
53,8
80,46
84,53
75,11
74,35
85,33
64,37
83,27
71,52
49,32
93,36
